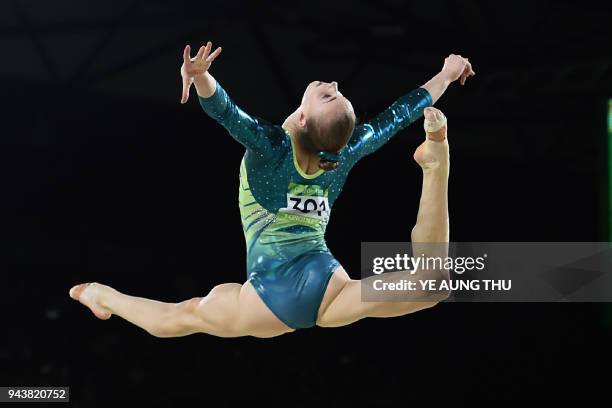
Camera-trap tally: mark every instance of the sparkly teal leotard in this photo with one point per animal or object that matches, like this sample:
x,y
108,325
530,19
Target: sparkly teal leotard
x,y
285,211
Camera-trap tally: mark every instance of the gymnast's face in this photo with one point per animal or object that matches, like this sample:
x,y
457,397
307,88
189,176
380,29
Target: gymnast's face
x,y
323,101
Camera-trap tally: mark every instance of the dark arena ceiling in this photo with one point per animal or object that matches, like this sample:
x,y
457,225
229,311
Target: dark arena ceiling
x,y
560,47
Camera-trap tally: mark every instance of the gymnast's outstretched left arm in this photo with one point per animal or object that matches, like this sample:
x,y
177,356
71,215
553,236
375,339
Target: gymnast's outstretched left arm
x,y
373,134
455,68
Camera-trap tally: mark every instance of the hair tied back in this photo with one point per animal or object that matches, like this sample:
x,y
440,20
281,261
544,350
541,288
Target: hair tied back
x,y
330,157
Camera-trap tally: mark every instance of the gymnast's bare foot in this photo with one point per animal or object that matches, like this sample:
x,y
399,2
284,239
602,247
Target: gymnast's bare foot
x,y
88,294
433,152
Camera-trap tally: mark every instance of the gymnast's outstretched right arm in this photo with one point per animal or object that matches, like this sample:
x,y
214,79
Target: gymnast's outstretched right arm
x,y
256,134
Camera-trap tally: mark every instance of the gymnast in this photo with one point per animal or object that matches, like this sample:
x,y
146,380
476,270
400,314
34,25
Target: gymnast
x,y
289,179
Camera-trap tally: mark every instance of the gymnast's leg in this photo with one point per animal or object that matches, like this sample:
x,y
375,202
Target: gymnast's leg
x,y
342,303
229,310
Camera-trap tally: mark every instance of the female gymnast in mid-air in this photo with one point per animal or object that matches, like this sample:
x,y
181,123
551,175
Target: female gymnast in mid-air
x,y
290,177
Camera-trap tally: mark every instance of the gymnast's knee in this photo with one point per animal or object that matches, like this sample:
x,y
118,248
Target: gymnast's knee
x,y
177,320
219,311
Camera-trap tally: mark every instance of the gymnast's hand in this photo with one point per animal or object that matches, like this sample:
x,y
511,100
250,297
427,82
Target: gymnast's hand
x,y
455,66
193,67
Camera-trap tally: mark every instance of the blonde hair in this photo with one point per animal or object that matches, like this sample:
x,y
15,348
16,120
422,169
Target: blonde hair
x,y
330,138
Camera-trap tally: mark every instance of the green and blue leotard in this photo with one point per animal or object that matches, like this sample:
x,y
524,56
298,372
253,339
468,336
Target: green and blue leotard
x,y
285,211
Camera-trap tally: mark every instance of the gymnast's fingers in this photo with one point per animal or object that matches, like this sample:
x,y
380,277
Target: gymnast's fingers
x,y
186,52
200,52
469,67
212,56
467,71
207,50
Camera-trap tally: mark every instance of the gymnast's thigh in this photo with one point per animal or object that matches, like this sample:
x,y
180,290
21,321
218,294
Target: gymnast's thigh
x,y
337,282
255,317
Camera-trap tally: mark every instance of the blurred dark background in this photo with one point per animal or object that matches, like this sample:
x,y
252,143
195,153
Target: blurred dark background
x,y
106,177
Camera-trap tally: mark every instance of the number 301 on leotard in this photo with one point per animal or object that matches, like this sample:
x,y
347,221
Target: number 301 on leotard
x,y
310,206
